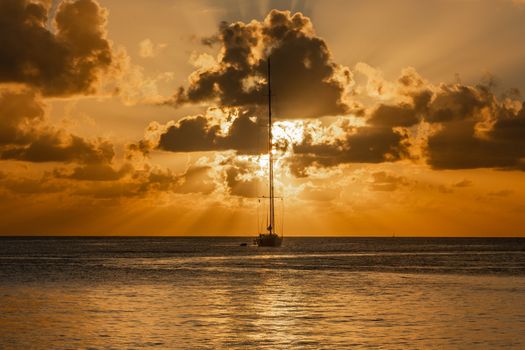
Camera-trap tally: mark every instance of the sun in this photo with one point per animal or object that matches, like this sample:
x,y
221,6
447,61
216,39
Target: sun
x,y
288,131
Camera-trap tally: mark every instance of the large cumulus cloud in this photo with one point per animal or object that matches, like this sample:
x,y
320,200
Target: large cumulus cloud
x,y
305,79
64,61
42,57
471,127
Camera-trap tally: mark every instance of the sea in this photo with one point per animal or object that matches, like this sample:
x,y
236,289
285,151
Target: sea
x,y
213,293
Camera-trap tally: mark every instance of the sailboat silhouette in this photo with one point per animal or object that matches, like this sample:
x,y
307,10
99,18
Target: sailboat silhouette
x,y
270,238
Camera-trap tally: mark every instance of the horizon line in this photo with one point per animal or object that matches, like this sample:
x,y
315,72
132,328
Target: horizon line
x,y
248,236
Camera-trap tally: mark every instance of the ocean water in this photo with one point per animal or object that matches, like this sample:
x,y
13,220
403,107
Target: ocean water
x,y
312,293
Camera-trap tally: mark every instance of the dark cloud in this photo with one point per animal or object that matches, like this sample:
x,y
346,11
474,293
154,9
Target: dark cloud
x,y
245,135
457,146
95,172
62,62
472,127
189,135
360,145
305,80
20,109
476,130
394,115
457,102
59,147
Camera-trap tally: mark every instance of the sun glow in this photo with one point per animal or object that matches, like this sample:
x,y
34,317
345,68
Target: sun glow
x,y
285,134
288,131
262,165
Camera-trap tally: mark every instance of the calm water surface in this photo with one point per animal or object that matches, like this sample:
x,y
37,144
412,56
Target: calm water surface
x,y
312,293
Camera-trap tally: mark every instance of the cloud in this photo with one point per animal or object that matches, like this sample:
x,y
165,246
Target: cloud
x,y
382,181
108,181
95,172
476,131
70,53
319,193
230,129
189,135
65,61
394,115
301,144
57,146
195,179
367,144
148,49
241,179
26,185
19,110
25,134
449,126
470,127
306,81
463,183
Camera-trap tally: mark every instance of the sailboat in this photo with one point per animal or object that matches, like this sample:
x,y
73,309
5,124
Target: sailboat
x,y
270,238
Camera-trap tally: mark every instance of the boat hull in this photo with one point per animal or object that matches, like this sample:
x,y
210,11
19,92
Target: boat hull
x,y
269,240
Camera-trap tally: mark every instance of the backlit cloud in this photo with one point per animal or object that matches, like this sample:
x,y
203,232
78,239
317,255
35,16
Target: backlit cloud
x,y
218,130
306,80
60,62
472,127
26,135
148,49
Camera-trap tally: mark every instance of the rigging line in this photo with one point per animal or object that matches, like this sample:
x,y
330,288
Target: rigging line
x,y
282,217
257,208
267,214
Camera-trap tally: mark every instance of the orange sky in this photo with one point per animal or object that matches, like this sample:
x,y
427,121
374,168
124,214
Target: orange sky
x,y
147,117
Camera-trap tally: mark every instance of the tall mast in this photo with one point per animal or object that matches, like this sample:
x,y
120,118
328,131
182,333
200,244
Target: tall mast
x,y
271,227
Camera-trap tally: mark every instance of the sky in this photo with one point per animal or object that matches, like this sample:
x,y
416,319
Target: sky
x,y
149,117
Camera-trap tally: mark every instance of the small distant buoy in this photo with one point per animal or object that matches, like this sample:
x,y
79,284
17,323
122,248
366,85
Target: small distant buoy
x,y
243,244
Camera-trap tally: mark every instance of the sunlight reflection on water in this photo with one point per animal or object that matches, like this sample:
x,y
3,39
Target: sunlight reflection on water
x,y
125,302
275,311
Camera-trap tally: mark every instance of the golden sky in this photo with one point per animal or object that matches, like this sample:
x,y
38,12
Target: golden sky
x,y
147,117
